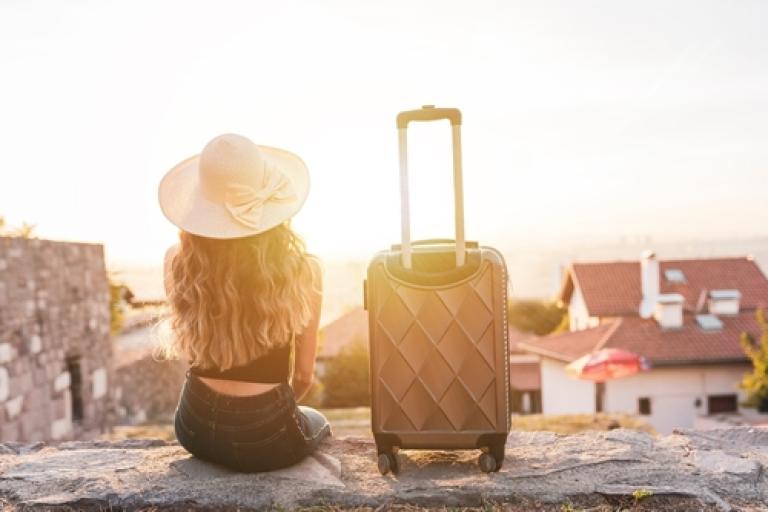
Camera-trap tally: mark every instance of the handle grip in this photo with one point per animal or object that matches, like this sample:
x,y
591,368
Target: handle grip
x,y
437,241
428,113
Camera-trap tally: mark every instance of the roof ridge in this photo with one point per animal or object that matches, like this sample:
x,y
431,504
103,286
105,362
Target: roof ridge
x,y
661,260
607,336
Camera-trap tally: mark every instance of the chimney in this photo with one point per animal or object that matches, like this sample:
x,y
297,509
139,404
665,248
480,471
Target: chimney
x,y
669,310
649,282
724,302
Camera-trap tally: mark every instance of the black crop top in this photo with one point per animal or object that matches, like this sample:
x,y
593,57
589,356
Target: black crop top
x,y
272,367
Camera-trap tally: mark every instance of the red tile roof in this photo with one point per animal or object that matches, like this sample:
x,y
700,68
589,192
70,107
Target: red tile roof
x,y
349,328
568,346
613,288
687,345
515,336
525,376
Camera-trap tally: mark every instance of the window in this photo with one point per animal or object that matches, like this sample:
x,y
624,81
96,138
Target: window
x,y
599,396
525,402
76,387
709,322
644,406
722,403
674,275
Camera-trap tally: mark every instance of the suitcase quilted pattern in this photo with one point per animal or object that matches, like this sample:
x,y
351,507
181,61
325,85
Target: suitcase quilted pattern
x,y
436,357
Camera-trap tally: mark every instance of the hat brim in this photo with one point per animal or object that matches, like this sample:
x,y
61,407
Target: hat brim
x,y
183,203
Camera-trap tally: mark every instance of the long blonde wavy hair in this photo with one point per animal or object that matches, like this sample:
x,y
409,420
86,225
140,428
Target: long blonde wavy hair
x,y
232,300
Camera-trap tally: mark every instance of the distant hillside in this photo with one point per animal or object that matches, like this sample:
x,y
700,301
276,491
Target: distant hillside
x,y
533,271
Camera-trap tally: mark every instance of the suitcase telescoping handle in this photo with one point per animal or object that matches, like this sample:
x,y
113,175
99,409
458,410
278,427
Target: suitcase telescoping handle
x,y
430,113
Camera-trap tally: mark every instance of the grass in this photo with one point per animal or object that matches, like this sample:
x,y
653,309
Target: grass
x,y
574,423
356,422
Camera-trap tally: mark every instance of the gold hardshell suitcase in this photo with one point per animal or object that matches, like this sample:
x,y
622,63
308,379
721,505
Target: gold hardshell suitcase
x,y
438,334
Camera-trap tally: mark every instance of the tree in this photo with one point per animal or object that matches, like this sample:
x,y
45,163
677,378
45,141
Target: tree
x,y
538,316
346,378
26,230
116,312
756,383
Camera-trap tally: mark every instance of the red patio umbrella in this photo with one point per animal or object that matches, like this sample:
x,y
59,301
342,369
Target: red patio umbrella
x,y
607,363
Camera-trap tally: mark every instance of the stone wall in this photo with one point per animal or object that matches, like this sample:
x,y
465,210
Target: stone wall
x,y
55,347
147,389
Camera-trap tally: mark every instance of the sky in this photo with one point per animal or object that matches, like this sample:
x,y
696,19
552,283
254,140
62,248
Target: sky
x,y
581,119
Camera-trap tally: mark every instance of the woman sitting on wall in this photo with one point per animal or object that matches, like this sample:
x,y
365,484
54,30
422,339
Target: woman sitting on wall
x,y
244,299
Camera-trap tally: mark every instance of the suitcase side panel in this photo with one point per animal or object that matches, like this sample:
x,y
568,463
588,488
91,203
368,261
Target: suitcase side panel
x,y
439,372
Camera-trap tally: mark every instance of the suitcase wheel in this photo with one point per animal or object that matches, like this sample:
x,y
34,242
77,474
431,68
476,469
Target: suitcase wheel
x,y
491,460
487,463
388,462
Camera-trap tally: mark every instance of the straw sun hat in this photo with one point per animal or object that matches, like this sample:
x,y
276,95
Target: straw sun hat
x,y
234,188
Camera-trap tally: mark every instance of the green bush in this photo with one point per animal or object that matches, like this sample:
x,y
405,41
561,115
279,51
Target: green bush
x,y
537,316
346,379
26,230
116,291
756,383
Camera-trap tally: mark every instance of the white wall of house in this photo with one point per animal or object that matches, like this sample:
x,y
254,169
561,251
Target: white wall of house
x,y
560,394
577,311
672,392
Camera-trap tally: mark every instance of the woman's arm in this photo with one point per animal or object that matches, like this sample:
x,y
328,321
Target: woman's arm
x,y
306,344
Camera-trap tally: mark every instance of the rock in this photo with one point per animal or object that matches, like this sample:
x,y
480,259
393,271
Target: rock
x,y
717,461
543,471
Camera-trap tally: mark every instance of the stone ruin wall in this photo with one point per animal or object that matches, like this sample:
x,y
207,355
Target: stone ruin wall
x,y
54,324
147,389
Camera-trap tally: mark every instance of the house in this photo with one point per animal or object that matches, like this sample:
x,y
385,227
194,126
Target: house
x,y
351,327
685,316
524,376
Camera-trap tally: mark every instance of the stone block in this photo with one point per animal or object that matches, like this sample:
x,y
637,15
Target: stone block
x,y
61,428
60,408
53,369
717,461
33,425
39,376
99,378
89,411
6,353
62,382
30,308
35,344
21,383
3,264
38,398
5,384
13,407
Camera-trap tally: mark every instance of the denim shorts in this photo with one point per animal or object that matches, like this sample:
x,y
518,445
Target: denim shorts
x,y
247,433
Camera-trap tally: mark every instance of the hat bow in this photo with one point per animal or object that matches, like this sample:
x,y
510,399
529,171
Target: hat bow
x,y
246,203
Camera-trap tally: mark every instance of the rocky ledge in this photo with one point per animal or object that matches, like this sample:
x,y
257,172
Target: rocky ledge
x,y
619,469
